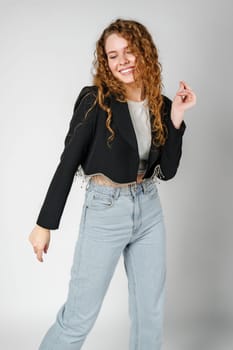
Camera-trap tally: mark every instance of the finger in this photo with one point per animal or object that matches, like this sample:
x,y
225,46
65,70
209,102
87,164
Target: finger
x,y
186,96
181,86
185,93
40,255
36,247
182,95
185,89
186,86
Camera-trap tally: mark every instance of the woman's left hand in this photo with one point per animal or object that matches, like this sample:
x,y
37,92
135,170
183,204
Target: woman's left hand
x,y
185,98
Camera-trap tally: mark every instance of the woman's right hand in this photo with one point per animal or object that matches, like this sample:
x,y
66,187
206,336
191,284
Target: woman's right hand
x,y
40,238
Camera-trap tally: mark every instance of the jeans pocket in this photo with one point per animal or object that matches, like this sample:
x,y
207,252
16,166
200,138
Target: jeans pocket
x,y
153,192
100,201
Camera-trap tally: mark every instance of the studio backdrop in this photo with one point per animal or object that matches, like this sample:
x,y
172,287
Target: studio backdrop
x,y
46,58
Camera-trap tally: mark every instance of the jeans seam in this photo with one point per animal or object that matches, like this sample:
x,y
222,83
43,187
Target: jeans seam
x,y
80,250
137,337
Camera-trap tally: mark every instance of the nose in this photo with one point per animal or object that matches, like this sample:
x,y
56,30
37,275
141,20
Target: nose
x,y
123,59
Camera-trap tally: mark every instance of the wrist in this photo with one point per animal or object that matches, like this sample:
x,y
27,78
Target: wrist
x,y
177,118
42,228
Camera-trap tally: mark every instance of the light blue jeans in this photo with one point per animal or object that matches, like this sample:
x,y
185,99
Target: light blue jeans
x,y
126,220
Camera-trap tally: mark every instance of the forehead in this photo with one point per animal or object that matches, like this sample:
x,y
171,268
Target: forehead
x,y
115,42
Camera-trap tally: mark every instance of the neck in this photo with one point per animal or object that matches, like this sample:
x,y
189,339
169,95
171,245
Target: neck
x,y
134,93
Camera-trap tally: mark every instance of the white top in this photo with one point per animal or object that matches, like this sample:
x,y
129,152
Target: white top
x,y
139,113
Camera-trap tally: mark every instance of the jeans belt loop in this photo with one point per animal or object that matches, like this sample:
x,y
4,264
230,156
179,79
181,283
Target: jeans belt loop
x,y
116,192
143,187
133,189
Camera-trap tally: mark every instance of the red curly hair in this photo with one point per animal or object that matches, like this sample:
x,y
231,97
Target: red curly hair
x,y
142,46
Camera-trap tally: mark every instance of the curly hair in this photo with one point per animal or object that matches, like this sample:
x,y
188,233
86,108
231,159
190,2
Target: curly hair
x,y
142,46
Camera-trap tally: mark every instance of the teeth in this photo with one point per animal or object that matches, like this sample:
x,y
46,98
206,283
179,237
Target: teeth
x,y
126,70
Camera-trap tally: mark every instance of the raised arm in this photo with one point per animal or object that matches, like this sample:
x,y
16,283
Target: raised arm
x,y
173,114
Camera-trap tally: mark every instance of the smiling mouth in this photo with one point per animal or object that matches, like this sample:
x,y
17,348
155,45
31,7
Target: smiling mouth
x,y
126,71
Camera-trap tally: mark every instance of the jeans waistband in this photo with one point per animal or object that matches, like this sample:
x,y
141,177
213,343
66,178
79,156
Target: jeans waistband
x,y
145,186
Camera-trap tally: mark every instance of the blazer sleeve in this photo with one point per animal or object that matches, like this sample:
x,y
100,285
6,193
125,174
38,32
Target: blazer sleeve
x,y
171,151
77,140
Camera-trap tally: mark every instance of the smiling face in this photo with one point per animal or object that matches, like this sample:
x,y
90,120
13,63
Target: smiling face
x,y
121,61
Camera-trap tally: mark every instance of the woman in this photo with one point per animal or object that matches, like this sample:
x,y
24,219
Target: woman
x,y
123,135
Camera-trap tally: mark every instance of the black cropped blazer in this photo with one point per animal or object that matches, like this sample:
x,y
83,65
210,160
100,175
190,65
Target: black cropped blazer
x,y
86,146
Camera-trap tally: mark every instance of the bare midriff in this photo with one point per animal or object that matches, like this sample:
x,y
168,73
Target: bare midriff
x,y
104,180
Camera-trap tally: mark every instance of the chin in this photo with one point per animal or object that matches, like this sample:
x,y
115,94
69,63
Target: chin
x,y
127,80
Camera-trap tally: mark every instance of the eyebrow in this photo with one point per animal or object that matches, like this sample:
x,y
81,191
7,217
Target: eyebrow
x,y
114,51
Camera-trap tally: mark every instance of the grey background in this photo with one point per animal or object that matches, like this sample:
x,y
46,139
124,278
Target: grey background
x,y
46,56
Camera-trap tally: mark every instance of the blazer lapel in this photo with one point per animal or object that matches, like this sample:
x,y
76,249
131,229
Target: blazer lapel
x,y
123,122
